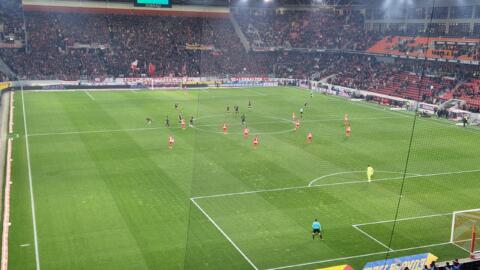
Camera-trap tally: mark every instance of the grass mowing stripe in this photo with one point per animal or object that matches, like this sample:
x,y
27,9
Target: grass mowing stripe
x,y
150,182
89,95
224,234
206,125
32,200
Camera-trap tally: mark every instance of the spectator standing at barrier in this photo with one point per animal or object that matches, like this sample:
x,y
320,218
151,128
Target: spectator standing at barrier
x,y
464,120
456,265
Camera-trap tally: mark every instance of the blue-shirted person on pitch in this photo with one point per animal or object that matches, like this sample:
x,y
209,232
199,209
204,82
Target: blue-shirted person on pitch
x,y
317,229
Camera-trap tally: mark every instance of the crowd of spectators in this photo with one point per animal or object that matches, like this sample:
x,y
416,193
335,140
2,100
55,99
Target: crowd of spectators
x,y
11,20
3,77
299,65
471,89
70,46
468,91
313,29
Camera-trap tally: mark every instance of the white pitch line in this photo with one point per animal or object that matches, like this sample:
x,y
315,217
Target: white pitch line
x,y
354,119
453,243
124,130
89,95
296,187
373,238
403,219
224,234
332,174
332,184
32,200
338,173
96,131
357,256
206,125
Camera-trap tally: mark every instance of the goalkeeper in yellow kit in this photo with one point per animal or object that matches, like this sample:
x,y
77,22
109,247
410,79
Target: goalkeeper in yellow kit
x,y
370,172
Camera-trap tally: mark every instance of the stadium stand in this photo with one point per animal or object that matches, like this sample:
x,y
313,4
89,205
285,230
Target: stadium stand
x,y
317,29
402,78
305,65
447,48
72,46
468,91
11,21
3,77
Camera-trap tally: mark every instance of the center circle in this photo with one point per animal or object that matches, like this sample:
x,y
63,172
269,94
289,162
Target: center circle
x,y
258,124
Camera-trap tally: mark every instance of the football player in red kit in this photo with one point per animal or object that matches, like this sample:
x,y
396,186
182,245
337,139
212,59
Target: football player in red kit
x,y
309,137
255,141
171,141
245,132
184,124
225,128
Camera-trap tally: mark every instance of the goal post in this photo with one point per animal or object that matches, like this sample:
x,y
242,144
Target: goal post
x,y
464,231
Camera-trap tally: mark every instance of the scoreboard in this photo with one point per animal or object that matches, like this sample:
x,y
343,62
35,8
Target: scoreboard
x,y
153,3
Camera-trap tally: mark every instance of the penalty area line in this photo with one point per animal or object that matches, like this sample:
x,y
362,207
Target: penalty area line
x,y
311,183
373,238
224,234
335,184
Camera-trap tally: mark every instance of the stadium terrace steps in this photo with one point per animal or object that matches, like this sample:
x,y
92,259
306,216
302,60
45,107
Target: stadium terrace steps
x,y
413,90
467,91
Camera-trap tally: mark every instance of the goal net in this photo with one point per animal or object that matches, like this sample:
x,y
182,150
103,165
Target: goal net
x,y
464,230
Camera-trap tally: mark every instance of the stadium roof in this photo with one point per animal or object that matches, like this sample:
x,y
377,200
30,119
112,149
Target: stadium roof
x,y
252,2
378,3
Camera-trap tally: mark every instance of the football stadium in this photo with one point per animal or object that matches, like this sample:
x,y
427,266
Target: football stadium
x,y
240,134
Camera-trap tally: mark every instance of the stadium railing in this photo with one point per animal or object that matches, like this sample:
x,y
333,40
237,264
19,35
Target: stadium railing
x,y
6,207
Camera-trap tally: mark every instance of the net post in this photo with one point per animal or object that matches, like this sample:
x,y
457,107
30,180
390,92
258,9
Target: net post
x,y
472,244
453,226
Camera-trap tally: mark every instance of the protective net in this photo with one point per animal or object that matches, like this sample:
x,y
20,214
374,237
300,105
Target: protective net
x,y
464,226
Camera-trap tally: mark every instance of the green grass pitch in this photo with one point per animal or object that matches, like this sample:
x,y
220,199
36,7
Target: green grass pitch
x,y
110,194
